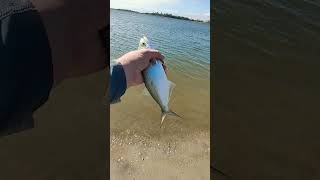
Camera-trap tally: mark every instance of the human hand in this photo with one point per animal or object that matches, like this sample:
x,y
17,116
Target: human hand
x,y
135,62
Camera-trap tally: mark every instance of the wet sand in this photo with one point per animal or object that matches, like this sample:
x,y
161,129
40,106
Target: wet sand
x,y
139,157
140,150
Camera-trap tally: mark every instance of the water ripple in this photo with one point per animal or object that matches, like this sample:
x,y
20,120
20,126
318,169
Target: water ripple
x,y
185,44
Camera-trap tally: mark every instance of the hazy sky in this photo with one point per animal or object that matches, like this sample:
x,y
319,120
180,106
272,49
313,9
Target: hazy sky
x,y
196,9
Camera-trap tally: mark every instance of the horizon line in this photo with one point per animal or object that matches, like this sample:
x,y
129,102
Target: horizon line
x,y
162,12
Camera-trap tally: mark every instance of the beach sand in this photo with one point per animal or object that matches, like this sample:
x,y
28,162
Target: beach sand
x,y
137,157
180,150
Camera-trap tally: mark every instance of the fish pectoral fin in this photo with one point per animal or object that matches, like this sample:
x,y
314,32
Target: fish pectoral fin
x,y
170,113
171,87
171,84
145,92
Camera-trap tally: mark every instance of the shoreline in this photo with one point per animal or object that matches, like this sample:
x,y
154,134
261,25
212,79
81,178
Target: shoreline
x,y
160,14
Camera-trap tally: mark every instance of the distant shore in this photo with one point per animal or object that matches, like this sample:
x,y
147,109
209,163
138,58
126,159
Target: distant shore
x,y
165,15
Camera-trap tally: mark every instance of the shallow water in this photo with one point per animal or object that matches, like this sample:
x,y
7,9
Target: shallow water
x,y
179,150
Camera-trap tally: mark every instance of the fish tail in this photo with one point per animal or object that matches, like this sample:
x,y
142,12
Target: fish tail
x,y
171,113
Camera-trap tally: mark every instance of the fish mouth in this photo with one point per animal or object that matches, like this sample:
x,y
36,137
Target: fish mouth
x,y
143,42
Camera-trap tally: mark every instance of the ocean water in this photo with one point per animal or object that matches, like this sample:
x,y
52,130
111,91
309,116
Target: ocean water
x,y
185,44
135,122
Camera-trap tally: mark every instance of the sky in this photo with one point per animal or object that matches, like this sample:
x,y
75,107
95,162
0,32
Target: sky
x,y
195,9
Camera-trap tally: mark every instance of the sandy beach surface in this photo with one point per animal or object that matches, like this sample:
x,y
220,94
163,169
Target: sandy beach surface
x,y
180,150
138,157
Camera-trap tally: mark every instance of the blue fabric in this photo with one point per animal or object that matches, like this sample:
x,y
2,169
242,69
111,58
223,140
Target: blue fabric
x,y
117,83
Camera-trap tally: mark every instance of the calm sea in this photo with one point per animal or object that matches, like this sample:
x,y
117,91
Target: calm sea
x,y
185,44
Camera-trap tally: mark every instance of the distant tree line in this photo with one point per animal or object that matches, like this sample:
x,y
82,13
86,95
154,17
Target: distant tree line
x,y
172,16
166,15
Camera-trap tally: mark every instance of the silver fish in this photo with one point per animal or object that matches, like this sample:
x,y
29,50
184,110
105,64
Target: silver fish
x,y
157,83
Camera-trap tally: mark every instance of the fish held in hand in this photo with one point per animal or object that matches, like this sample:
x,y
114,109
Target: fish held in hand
x,y
157,83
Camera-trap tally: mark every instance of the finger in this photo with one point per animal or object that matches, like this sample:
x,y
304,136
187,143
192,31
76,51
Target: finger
x,y
165,68
152,60
162,60
154,54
